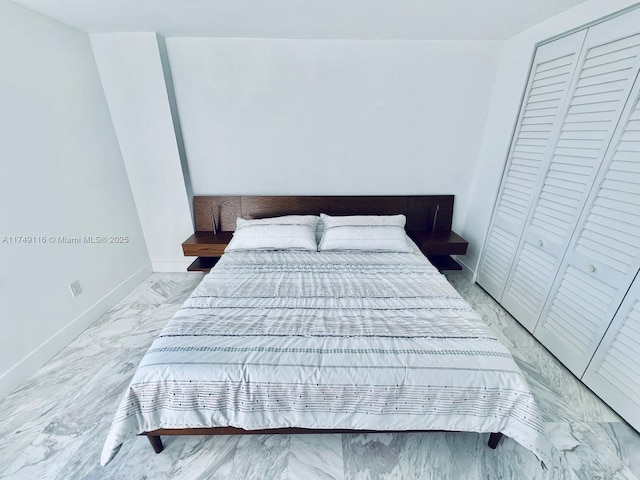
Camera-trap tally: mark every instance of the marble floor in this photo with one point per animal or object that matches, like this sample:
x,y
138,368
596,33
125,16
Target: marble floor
x,y
54,426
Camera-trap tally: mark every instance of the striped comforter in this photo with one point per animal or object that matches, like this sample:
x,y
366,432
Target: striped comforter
x,y
327,340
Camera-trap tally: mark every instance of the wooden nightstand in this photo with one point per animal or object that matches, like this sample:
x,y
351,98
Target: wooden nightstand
x,y
438,246
208,247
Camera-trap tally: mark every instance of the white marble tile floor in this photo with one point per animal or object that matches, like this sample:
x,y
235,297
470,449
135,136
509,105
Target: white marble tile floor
x,y
54,426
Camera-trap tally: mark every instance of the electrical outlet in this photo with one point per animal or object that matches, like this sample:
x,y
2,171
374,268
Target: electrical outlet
x,y
75,288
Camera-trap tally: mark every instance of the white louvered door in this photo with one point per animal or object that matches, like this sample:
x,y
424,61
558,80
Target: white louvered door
x,y
540,116
607,70
614,372
604,255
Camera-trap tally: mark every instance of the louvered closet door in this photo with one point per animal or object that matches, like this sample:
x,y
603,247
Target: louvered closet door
x,y
604,255
614,372
607,71
538,123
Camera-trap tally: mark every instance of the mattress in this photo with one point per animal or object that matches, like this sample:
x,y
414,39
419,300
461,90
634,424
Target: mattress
x,y
327,340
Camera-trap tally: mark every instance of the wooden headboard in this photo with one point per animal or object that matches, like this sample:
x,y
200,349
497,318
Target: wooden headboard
x,y
420,210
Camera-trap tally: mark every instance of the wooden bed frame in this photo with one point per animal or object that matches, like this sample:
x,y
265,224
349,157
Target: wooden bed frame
x,y
431,213
156,441
424,212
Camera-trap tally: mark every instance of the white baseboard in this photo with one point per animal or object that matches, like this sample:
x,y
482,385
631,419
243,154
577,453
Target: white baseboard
x,y
172,265
466,271
25,368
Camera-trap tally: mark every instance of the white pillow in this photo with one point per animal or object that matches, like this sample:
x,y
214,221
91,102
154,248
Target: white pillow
x,y
292,232
310,220
374,233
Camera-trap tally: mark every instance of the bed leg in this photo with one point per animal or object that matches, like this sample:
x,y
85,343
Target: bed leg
x,y
156,443
494,439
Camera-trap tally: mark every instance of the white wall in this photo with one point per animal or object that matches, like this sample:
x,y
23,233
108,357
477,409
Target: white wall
x,y
281,117
61,174
507,96
132,75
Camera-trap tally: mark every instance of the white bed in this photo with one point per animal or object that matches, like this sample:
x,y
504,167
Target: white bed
x,y
327,340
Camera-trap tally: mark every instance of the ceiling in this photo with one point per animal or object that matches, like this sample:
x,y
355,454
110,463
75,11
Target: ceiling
x,y
347,19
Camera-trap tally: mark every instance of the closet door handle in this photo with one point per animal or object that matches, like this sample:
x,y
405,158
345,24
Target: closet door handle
x,y
540,243
591,268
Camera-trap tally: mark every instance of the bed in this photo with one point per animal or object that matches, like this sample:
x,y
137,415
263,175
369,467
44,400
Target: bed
x,y
338,340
